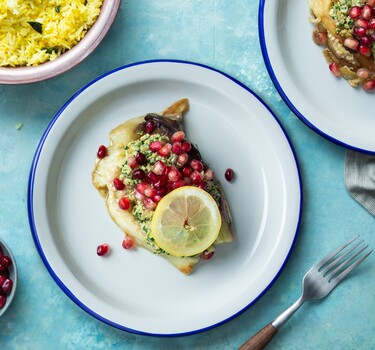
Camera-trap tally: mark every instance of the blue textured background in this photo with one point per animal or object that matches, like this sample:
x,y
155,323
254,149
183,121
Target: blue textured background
x,y
224,35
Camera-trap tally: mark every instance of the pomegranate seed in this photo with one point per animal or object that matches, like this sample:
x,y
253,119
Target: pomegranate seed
x,y
119,185
128,242
209,174
155,146
176,148
162,182
359,31
150,127
141,186
187,180
102,249
196,177
132,162
157,198
138,196
186,146
362,23
7,285
351,43
151,177
229,174
372,37
365,51
174,175
178,136
2,279
165,150
365,40
3,264
366,11
371,23
141,158
3,300
4,274
182,159
187,171
124,203
355,12
150,192
363,73
177,184
159,168
207,255
369,85
162,191
335,69
149,203
196,165
202,185
138,174
320,38
102,151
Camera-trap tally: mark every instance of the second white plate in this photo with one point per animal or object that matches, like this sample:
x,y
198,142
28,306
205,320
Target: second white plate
x,y
300,73
135,290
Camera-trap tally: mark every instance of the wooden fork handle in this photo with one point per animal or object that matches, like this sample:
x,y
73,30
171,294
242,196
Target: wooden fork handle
x,y
261,339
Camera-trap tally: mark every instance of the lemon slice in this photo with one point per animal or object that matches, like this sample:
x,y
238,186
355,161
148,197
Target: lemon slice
x,y
186,221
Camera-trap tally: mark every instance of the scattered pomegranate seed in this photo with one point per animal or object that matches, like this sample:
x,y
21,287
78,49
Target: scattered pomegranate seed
x,y
151,177
187,170
174,175
6,287
196,177
150,127
178,136
182,159
178,183
139,196
362,23
359,31
155,146
365,40
371,23
141,158
102,249
102,151
132,162
2,279
335,69
119,185
161,182
372,37
366,11
159,167
365,50
229,174
157,198
363,73
196,165
351,43
202,185
355,12
176,148
128,242
209,174
150,192
207,255
186,146
319,38
138,174
141,186
369,85
3,300
149,203
124,203
165,150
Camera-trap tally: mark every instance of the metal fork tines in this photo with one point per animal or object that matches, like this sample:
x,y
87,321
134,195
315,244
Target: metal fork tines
x,y
317,283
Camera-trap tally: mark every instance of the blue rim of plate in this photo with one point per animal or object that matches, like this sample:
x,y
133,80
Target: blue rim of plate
x,y
284,96
34,232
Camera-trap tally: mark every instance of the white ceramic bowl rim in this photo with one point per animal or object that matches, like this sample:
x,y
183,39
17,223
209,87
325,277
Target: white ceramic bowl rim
x,y
72,57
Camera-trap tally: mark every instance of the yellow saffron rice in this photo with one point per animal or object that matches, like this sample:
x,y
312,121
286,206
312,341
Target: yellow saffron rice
x,y
36,31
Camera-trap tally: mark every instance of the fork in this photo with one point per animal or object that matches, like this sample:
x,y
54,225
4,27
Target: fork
x,y
317,283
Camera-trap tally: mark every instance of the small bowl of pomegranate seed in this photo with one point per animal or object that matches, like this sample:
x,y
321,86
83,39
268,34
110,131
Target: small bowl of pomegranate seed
x,y
8,277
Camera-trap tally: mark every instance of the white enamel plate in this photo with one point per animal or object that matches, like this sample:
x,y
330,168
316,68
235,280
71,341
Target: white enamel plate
x,y
135,290
300,73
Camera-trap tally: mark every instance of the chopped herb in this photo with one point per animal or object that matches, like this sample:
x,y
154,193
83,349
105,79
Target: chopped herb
x,y
57,9
49,50
19,125
36,26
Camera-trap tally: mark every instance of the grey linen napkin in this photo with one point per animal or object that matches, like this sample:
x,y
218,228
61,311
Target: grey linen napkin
x,y
360,178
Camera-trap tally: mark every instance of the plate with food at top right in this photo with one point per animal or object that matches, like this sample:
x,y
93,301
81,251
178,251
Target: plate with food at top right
x,y
320,55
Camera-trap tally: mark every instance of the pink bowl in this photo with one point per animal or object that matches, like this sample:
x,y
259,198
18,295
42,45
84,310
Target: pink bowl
x,y
70,58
